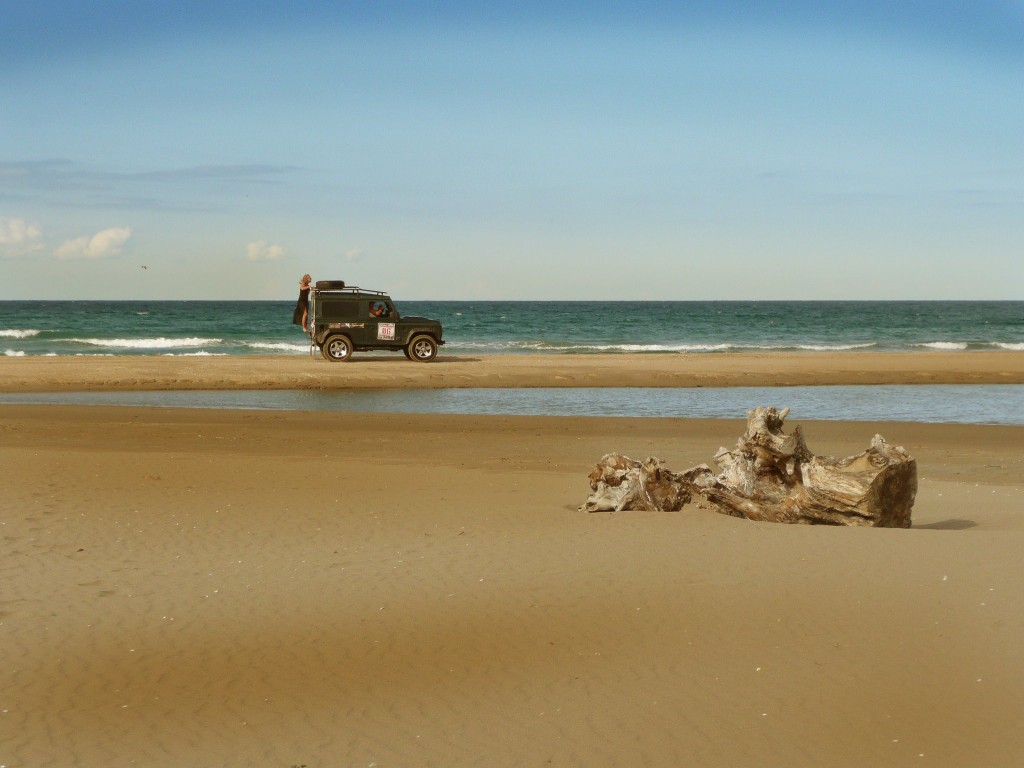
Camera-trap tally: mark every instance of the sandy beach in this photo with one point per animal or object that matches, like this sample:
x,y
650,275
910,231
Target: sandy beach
x,y
230,588
382,370
536,234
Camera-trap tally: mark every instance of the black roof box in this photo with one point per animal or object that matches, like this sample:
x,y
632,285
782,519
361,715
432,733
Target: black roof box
x,y
330,285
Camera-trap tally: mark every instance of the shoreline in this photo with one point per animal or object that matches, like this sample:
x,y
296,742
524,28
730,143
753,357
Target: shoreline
x,y
380,371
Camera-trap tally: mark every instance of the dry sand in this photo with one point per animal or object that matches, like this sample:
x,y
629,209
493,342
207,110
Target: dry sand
x,y
210,588
139,372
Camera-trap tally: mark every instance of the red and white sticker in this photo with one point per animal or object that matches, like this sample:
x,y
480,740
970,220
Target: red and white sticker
x,y
386,331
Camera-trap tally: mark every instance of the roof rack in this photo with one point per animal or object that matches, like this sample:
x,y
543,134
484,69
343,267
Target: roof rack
x,y
349,289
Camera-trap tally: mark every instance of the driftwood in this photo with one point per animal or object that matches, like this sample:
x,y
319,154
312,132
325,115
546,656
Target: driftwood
x,y
769,476
619,483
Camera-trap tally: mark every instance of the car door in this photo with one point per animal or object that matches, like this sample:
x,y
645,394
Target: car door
x,y
364,327
382,326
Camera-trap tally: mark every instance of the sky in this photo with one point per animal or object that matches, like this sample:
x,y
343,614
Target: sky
x,y
727,149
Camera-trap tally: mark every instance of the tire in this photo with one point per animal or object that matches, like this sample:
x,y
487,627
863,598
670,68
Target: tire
x,y
421,349
330,285
337,348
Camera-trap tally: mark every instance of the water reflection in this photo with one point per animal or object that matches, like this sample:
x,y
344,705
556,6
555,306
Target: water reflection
x,y
962,404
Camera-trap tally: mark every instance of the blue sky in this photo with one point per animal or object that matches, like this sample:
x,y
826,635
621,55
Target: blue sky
x,y
706,150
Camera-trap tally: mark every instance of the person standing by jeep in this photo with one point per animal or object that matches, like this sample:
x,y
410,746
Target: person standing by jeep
x,y
302,305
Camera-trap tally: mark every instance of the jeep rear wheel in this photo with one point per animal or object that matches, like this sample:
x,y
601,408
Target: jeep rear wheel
x,y
337,349
422,349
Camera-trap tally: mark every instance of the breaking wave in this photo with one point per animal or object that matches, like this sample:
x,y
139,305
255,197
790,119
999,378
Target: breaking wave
x,y
201,353
833,347
278,346
953,345
157,343
624,348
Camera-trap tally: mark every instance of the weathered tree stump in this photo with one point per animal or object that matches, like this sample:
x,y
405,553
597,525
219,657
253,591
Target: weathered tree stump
x,y
769,476
627,484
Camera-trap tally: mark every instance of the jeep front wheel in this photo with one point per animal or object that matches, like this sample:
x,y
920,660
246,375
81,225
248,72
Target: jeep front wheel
x,y
422,349
337,349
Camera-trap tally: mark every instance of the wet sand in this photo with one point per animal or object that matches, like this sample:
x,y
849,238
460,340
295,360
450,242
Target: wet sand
x,y
386,370
186,587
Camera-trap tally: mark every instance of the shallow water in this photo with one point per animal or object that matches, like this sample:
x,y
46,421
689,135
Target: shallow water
x,y
935,403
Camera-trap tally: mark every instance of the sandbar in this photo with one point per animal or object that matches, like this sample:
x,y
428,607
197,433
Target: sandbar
x,y
380,371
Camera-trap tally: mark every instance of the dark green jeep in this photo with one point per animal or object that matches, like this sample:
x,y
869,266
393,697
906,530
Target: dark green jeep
x,y
345,319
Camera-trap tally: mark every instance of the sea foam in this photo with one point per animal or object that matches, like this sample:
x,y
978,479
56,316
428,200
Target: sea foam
x,y
833,347
157,343
200,353
954,345
682,347
17,333
281,346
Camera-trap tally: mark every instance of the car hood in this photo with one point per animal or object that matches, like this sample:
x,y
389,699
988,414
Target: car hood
x,y
418,319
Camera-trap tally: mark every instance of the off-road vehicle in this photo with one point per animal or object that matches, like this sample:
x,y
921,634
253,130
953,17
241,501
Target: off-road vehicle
x,y
346,319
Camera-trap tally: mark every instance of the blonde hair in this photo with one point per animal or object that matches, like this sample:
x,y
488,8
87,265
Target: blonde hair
x,y
306,280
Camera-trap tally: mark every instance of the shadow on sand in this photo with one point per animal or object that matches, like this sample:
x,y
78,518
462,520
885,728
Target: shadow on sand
x,y
948,525
364,357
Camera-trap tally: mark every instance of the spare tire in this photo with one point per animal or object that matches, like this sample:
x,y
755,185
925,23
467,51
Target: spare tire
x,y
330,285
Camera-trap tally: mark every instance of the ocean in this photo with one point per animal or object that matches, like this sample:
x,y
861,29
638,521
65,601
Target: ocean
x,y
516,327
207,328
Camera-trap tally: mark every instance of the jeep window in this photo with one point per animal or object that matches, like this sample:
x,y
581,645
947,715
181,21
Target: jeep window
x,y
334,309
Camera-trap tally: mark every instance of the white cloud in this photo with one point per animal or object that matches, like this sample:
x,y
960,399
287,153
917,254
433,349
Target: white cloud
x,y
99,246
263,251
19,237
354,254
